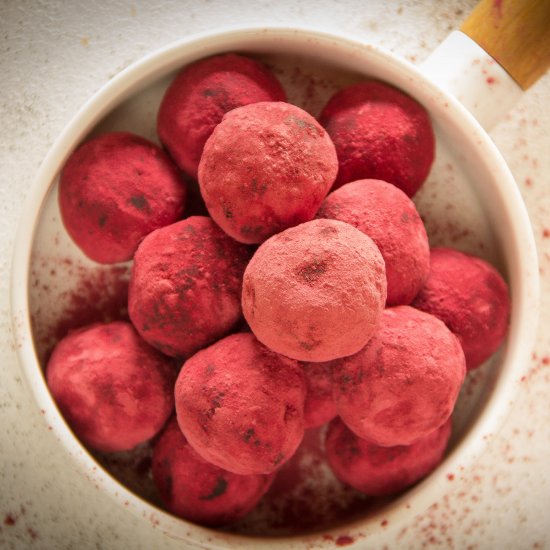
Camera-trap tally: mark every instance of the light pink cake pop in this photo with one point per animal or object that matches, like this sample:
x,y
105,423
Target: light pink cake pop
x,y
266,167
315,292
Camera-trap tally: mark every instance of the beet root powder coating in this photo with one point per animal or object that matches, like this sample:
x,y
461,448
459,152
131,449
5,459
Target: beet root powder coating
x,y
390,219
404,383
380,471
315,292
266,167
241,406
113,389
201,94
185,286
194,489
114,190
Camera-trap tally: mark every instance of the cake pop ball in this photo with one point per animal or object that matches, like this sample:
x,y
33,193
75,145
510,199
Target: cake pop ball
x,y
201,94
241,406
471,298
194,489
404,383
315,292
114,190
380,132
114,390
266,167
185,286
319,406
382,471
390,219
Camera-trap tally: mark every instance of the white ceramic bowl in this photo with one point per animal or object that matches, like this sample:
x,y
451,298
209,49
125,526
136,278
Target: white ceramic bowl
x,y
470,202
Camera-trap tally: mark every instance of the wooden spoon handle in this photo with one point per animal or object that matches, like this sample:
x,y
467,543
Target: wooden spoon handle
x,y
516,33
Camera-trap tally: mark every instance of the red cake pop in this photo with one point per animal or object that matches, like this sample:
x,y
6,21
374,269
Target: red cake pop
x,y
185,286
382,471
198,491
381,133
315,292
404,383
114,190
266,167
319,406
471,298
114,390
201,94
241,406
390,219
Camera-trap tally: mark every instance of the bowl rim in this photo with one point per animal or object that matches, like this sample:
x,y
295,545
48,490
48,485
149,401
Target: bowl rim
x,y
160,63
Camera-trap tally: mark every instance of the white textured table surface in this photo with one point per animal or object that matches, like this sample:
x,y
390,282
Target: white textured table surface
x,y
54,55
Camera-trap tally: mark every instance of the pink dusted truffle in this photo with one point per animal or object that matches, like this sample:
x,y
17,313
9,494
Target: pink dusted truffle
x,y
471,298
114,190
266,167
198,491
201,94
185,286
114,390
241,406
319,406
383,471
404,383
315,292
390,219
380,132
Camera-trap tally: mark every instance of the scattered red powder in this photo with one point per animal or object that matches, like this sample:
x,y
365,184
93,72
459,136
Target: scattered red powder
x,y
10,519
344,540
96,295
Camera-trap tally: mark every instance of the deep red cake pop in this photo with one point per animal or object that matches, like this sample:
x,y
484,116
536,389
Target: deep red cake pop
x,y
114,390
382,471
380,132
114,190
185,286
194,489
404,383
201,94
319,406
471,298
315,292
390,219
266,167
241,406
